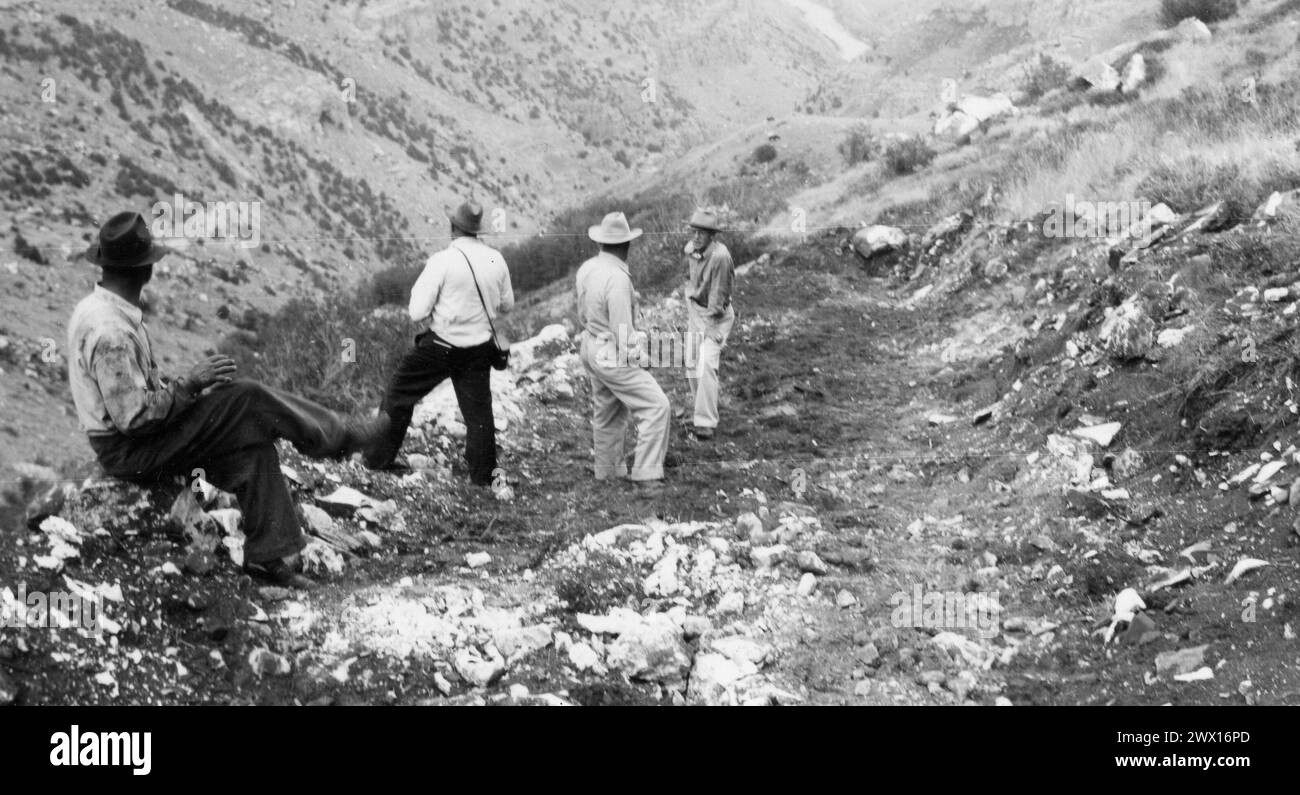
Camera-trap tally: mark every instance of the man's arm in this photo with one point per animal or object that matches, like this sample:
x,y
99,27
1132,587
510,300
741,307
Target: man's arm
x,y
424,295
507,291
133,406
720,285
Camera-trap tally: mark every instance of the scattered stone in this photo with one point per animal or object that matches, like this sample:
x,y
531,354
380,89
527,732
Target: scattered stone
x,y
1135,73
845,599
1243,566
1182,661
696,626
769,557
744,651
807,584
265,662
440,682
1101,434
477,560
585,658
518,643
713,680
479,669
652,651
748,525
808,561
1199,675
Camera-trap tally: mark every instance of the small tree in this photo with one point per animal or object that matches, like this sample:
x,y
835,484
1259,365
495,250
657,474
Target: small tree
x,y
859,145
765,153
907,155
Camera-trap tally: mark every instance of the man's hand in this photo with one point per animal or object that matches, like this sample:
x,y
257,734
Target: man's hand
x,y
212,370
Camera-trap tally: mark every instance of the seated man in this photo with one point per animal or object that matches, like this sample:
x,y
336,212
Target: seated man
x,y
143,428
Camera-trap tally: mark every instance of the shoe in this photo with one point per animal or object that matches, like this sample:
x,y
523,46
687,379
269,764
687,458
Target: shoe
x,y
703,434
367,437
284,572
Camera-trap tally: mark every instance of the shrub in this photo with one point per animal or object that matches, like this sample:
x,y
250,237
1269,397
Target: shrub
x,y
1174,11
859,145
764,153
907,155
1044,76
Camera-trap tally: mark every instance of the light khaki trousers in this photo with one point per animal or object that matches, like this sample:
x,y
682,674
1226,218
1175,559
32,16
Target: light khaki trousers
x,y
616,393
712,335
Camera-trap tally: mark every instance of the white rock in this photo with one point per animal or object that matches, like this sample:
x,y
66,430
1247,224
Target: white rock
x,y
732,602
585,658
807,584
713,680
1101,434
845,599
1193,30
477,669
477,560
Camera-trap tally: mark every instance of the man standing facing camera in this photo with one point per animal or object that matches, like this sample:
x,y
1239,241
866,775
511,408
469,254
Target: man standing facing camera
x,y
458,295
709,271
143,428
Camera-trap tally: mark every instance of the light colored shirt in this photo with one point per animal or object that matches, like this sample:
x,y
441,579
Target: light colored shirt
x,y
605,298
709,277
115,381
445,297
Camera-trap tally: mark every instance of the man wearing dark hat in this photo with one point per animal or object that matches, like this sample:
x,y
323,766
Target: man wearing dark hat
x,y
452,298
619,387
708,306
143,427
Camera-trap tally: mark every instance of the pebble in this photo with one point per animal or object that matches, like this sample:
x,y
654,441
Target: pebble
x,y
845,599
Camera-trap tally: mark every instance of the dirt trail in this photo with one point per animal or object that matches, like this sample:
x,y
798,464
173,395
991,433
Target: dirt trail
x,y
846,412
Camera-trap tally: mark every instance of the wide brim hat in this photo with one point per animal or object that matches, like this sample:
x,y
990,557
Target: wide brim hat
x,y
703,219
468,217
612,230
125,242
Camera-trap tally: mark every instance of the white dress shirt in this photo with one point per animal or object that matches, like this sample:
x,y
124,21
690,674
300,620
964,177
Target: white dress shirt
x,y
445,298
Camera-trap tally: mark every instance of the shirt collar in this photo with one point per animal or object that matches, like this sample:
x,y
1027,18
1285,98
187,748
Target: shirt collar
x,y
120,304
703,254
605,255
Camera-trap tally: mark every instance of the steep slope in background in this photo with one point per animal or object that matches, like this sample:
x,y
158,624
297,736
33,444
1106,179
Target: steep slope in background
x,y
354,125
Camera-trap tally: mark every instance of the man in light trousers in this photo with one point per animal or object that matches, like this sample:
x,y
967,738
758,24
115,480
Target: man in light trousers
x,y
710,315
611,351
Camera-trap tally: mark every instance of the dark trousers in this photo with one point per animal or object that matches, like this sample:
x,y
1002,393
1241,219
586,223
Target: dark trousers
x,y
427,364
229,434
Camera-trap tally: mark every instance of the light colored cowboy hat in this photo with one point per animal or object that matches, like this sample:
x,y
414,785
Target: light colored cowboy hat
x,y
613,230
704,219
468,217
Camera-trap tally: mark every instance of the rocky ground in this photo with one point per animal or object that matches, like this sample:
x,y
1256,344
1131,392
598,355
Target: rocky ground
x,y
981,420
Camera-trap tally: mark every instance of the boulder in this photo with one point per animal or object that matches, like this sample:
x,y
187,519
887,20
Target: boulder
x,y
652,651
874,240
1135,73
1098,74
713,680
983,109
1193,30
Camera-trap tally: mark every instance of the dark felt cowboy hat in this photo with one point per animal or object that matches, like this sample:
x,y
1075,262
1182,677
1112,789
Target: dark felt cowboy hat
x,y
125,242
468,217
